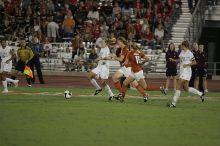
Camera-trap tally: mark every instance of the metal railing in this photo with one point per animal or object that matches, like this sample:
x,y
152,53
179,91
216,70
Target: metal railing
x,y
194,29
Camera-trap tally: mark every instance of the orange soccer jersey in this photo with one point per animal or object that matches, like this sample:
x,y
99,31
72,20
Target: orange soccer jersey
x,y
123,51
134,58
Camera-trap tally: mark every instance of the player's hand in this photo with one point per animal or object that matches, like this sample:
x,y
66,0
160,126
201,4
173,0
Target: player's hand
x,y
185,65
7,61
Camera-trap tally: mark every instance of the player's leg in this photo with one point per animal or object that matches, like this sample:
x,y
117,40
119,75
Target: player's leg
x,y
142,83
107,88
125,84
91,76
177,93
116,80
194,91
174,83
4,83
167,83
205,84
204,78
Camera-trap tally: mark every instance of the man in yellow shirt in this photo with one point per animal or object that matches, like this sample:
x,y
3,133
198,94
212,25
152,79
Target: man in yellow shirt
x,y
25,54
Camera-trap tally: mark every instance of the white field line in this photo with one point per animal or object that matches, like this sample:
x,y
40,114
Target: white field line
x,y
91,95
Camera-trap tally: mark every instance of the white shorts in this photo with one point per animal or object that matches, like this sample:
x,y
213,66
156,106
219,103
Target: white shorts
x,y
6,67
185,73
138,75
101,71
126,71
185,76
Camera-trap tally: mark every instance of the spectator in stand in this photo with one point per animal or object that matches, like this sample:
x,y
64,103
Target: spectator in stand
x,y
67,59
68,26
171,65
93,13
195,51
138,27
130,30
52,30
138,8
96,29
92,57
77,44
201,68
47,48
159,36
80,60
148,38
116,9
88,30
104,30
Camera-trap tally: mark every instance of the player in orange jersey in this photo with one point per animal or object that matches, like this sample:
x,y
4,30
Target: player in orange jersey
x,y
136,59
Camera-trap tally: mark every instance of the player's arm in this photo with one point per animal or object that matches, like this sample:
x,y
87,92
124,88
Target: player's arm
x,y
145,58
126,60
12,56
120,59
193,62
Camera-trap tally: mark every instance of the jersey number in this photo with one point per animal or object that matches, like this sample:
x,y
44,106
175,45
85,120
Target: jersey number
x,y
137,59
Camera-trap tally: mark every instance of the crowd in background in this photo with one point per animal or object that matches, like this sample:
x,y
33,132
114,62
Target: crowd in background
x,y
77,21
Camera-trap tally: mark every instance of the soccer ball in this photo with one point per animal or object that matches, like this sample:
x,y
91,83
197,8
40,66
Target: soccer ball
x,y
67,94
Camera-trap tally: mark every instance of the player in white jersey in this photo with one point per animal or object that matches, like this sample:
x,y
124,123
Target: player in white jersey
x,y
102,70
6,55
186,60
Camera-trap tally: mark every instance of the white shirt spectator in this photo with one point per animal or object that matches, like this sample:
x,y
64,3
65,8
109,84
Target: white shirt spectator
x,y
67,56
159,32
93,15
52,29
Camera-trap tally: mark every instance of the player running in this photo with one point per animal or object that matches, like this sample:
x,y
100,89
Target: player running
x,y
186,59
102,70
125,69
6,55
135,59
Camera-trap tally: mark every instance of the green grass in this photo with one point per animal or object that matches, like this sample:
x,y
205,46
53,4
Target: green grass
x,y
50,120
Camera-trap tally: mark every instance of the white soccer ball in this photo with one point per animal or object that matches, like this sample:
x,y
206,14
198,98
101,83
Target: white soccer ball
x,y
67,94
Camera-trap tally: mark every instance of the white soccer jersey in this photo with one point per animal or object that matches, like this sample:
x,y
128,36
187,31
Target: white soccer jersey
x,y
5,53
104,52
185,57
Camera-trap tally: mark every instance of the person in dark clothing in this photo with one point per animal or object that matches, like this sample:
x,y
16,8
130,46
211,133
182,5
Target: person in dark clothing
x,y
171,65
195,50
37,49
201,68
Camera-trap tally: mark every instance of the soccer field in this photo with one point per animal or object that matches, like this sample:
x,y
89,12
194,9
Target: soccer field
x,y
42,117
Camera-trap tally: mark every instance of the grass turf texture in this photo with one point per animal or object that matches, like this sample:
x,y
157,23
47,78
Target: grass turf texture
x,y
50,120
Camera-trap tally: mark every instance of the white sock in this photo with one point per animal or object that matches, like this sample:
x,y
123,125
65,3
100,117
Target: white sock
x,y
176,97
5,85
108,89
95,84
10,80
194,91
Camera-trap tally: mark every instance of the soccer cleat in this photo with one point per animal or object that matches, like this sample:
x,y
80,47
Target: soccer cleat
x,y
29,85
202,97
110,98
16,83
97,91
146,97
118,97
5,91
170,105
163,90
